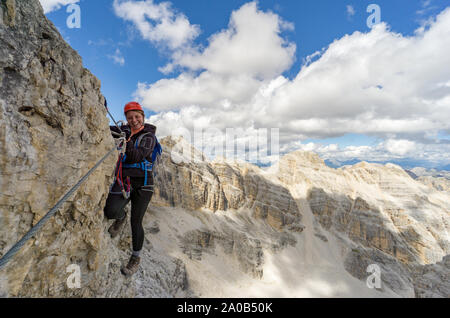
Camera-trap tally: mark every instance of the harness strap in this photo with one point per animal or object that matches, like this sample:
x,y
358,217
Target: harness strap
x,y
119,179
145,172
121,147
145,165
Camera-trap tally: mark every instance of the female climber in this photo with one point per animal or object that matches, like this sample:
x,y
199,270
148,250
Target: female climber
x,y
134,182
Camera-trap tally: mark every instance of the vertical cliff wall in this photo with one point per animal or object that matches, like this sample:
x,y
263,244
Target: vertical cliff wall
x,y
53,129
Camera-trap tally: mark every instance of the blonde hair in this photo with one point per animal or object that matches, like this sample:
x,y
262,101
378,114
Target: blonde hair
x,y
138,111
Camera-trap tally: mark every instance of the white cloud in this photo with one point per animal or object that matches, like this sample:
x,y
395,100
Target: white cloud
x,y
378,83
375,83
251,45
399,147
389,150
426,7
237,63
207,90
350,11
117,57
53,5
157,23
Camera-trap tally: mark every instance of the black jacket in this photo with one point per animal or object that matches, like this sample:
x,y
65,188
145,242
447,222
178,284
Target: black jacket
x,y
143,151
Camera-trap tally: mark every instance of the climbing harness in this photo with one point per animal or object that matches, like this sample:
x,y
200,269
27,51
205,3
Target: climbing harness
x,y
145,165
125,188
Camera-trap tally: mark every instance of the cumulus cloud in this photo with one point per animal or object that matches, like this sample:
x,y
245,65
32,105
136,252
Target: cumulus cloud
x,y
390,150
236,64
208,90
117,58
426,7
399,147
251,45
350,11
378,83
157,23
53,5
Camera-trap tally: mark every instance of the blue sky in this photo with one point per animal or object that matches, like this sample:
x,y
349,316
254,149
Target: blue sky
x,y
127,51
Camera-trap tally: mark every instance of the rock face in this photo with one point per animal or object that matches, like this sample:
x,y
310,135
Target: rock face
x,y
379,212
194,184
439,183
432,281
53,129
187,180
371,214
422,172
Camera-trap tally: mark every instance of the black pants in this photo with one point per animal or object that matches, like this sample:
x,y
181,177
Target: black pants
x,y
140,198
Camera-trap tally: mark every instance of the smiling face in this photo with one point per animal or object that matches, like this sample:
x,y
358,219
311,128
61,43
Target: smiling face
x,y
135,119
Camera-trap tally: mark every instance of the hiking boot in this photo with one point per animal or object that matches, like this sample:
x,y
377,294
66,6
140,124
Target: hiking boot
x,y
116,227
132,266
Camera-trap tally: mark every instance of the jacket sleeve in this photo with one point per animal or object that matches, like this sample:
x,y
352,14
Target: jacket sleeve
x,y
144,150
116,130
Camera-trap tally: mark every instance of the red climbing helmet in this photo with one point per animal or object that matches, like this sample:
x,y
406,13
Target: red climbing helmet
x,y
133,106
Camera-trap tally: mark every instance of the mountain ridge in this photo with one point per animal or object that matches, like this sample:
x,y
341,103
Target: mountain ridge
x,y
295,169
296,229
407,164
